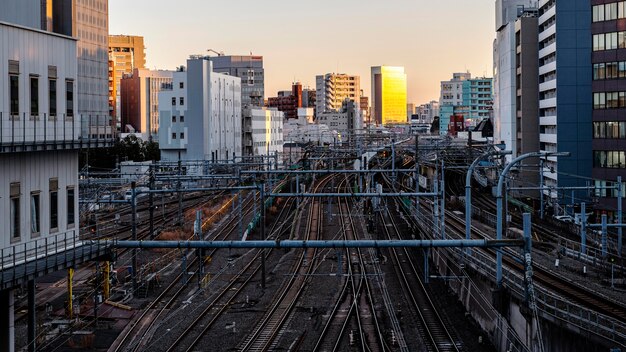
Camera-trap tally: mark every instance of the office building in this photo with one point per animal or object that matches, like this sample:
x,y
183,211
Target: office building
x,y
127,53
388,95
266,125
463,95
42,133
565,95
364,105
200,116
509,50
250,69
139,99
334,88
426,112
91,27
609,102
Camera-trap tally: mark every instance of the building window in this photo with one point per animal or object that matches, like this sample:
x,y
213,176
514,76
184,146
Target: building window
x,y
34,96
173,101
52,97
173,135
182,118
15,211
14,95
54,204
181,85
69,98
174,118
71,197
35,215
182,101
182,135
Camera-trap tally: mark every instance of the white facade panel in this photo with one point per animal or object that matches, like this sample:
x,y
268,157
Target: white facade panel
x,y
36,53
33,172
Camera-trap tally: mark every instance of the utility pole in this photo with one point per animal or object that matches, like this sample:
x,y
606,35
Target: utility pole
x,y
262,226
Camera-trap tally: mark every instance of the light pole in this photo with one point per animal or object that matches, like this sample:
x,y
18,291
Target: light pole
x,y
499,206
468,187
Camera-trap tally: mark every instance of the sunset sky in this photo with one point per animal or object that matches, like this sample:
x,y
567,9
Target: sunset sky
x,y
300,39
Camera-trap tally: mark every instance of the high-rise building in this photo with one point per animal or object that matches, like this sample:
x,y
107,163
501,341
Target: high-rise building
x,y
334,88
609,102
389,95
91,26
139,98
250,69
127,53
506,61
565,96
200,116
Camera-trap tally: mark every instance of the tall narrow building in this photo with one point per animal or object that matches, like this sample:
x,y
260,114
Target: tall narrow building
x,y
565,97
126,52
389,95
609,101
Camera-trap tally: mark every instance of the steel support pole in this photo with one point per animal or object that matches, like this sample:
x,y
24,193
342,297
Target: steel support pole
x,y
32,317
620,197
583,228
70,293
604,235
443,201
426,270
262,226
133,205
151,195
541,201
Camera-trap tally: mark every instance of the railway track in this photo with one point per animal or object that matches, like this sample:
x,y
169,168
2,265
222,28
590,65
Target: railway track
x,y
571,291
209,315
136,337
355,299
268,328
434,329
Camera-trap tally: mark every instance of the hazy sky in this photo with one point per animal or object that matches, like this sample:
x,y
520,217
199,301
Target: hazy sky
x,y
300,39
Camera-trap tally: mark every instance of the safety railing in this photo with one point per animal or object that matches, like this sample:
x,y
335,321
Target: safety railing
x,y
44,253
25,131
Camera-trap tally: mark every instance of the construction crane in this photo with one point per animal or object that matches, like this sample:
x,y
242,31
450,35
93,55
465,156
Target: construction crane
x,y
219,53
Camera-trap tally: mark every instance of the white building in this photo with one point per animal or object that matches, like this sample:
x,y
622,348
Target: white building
x,y
346,122
505,71
333,88
200,117
267,130
40,137
452,90
426,112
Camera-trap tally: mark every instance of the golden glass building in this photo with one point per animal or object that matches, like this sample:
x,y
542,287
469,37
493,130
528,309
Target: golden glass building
x,y
389,95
